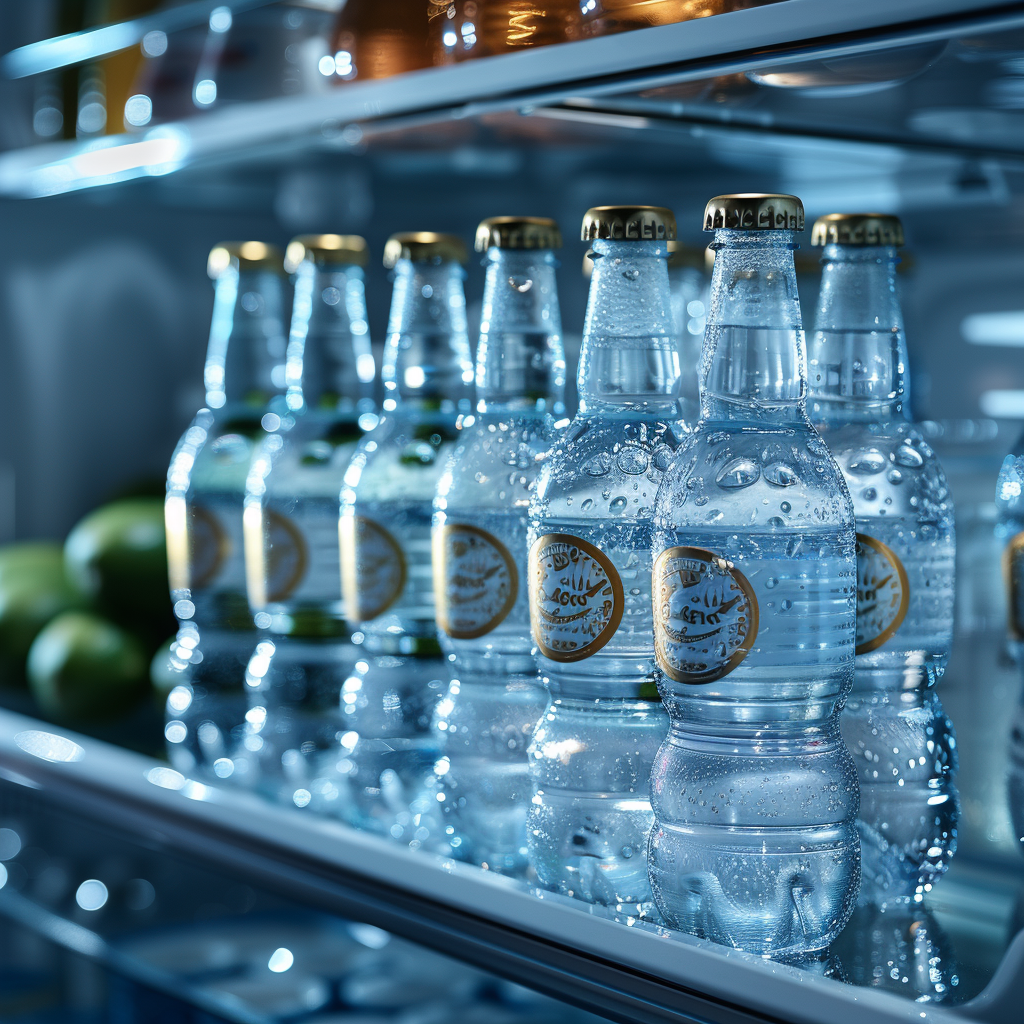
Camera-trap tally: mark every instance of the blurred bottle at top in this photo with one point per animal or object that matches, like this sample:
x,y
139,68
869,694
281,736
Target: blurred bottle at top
x,y
375,39
689,284
277,50
461,29
601,17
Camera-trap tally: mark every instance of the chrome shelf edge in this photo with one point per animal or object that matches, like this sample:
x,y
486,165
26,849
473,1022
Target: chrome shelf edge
x,y
539,939
792,30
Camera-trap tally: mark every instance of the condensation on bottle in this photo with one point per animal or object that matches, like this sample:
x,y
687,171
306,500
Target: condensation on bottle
x,y
486,720
894,724
245,385
388,748
293,566
590,571
755,844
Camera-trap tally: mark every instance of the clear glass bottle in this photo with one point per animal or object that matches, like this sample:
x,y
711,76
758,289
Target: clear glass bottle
x,y
755,843
894,724
485,722
245,385
291,524
389,747
462,29
589,574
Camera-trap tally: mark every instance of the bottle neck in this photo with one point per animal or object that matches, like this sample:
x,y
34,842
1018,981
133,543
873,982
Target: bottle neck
x,y
520,361
857,359
629,361
426,358
330,366
754,361
245,359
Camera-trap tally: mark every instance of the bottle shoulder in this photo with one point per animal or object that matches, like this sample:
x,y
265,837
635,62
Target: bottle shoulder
x,y
892,472
495,464
606,468
733,477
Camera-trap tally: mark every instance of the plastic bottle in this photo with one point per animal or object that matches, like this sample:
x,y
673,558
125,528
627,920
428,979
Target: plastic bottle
x,y
291,525
480,521
589,574
755,843
894,724
389,748
245,384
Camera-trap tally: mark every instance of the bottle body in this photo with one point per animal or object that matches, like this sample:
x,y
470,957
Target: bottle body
x,y
901,738
374,40
203,511
389,747
604,16
589,538
755,794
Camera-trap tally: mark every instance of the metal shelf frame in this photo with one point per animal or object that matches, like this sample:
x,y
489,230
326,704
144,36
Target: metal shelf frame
x,y
566,949
578,73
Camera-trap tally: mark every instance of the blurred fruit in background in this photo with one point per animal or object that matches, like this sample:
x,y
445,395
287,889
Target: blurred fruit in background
x,y
117,557
79,623
83,668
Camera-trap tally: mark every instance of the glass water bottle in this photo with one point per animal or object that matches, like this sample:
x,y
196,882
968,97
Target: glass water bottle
x,y
291,526
388,750
894,724
485,722
590,572
755,842
245,385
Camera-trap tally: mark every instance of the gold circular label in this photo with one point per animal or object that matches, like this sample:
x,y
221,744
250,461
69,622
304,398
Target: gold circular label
x,y
372,568
883,593
208,548
287,556
576,597
705,615
475,580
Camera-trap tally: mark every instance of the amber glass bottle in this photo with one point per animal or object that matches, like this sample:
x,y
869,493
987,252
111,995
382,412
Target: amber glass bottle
x,y
462,29
601,17
375,39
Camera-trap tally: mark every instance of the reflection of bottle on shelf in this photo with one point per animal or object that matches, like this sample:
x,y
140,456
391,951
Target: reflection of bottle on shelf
x,y
900,948
461,29
601,17
377,40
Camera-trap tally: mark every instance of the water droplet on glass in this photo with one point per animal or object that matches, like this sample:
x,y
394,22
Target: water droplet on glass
x,y
598,465
909,457
738,473
894,476
771,583
587,503
520,284
631,274
866,462
702,500
786,605
786,507
816,446
617,504
780,474
633,461
662,457
869,494
776,522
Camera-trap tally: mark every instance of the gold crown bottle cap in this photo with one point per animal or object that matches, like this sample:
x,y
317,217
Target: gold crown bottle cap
x,y
518,233
754,211
857,229
348,249
420,246
246,255
629,224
